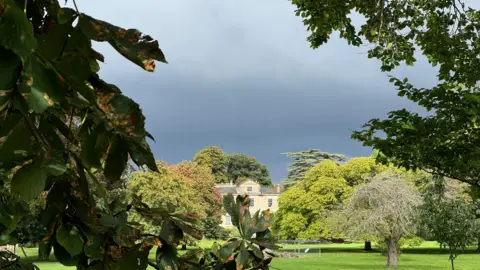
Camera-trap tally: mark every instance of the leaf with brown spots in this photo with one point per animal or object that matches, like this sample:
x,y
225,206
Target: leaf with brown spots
x,y
41,86
141,49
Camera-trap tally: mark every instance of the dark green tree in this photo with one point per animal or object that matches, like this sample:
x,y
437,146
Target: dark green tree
x,y
61,124
304,161
242,166
214,158
446,33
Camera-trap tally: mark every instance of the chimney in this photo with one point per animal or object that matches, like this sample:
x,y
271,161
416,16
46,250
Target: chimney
x,y
277,188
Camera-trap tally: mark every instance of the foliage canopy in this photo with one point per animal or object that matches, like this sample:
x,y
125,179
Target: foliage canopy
x,y
447,33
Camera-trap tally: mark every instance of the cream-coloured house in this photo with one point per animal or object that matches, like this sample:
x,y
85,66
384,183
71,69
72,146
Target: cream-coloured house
x,y
260,198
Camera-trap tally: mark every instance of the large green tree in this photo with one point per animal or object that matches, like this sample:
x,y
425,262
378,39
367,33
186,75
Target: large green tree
x,y
446,33
61,124
214,158
242,166
304,208
304,161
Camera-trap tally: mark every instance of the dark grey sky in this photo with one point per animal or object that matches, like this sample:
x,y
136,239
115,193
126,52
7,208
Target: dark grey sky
x,y
242,77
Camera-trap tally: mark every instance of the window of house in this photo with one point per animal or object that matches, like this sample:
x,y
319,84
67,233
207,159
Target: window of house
x,y
270,202
252,202
249,188
228,220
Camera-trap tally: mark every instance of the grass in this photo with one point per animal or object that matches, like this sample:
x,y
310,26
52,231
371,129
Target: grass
x,y
342,256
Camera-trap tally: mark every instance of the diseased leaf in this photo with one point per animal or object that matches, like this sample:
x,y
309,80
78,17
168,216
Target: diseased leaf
x,y
41,86
226,252
94,246
166,257
16,31
242,257
132,44
29,181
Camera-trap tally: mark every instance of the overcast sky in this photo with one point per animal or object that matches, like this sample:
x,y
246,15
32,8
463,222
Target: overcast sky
x,y
242,76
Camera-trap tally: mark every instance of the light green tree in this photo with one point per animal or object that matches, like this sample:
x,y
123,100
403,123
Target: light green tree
x,y
304,208
216,160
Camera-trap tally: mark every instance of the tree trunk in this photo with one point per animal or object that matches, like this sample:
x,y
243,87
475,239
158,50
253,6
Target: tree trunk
x,y
392,253
184,247
478,246
453,266
367,246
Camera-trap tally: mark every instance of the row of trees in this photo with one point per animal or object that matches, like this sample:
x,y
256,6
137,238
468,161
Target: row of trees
x,y
232,167
363,200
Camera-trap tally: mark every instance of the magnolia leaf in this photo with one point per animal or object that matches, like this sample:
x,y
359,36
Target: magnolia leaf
x,y
132,44
29,181
17,31
257,252
70,238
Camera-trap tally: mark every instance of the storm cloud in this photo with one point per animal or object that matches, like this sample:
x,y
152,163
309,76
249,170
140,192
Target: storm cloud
x,y
242,76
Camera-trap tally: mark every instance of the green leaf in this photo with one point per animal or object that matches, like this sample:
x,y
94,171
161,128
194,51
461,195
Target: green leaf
x,y
141,153
70,238
55,164
9,70
29,181
41,86
94,246
135,259
63,256
18,145
126,236
116,159
132,44
257,252
52,43
242,257
227,251
166,257
90,153
170,233
66,14
17,31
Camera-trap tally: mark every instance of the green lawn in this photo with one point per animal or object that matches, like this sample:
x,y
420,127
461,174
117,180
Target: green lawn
x,y
346,256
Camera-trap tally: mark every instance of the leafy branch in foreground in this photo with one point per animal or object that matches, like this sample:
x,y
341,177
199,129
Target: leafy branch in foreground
x,y
61,125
